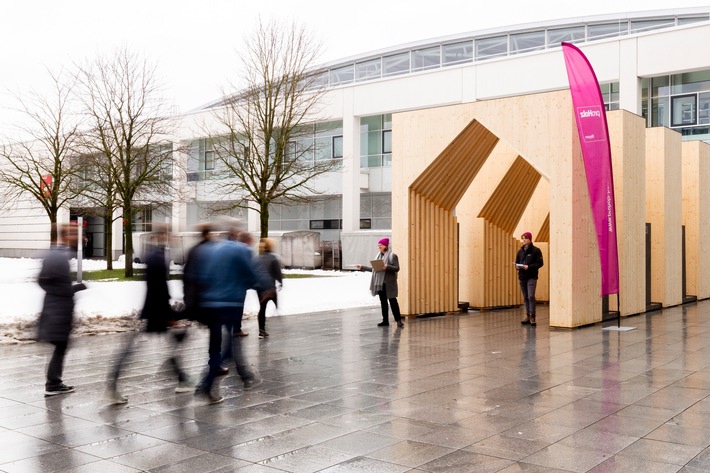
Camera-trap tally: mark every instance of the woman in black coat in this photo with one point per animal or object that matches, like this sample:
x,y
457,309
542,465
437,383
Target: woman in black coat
x,y
270,264
384,282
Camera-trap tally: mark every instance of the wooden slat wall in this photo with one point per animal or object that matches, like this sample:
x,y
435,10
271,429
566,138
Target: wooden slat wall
x,y
433,256
501,283
696,216
664,212
506,205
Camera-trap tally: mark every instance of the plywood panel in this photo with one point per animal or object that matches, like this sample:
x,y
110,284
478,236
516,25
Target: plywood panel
x,y
664,213
696,216
627,137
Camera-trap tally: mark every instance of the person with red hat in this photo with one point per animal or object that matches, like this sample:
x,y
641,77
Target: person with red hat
x,y
528,261
384,282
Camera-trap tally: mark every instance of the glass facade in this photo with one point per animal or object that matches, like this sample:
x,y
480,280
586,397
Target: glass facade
x,y
321,213
610,95
376,141
679,101
376,211
319,142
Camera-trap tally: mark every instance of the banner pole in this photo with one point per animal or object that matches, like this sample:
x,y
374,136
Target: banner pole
x,y
618,308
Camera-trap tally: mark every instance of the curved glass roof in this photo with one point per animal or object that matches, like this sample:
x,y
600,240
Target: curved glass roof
x,y
489,44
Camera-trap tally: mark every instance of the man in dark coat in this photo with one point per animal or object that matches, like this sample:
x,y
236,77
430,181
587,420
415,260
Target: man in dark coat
x,y
56,319
528,261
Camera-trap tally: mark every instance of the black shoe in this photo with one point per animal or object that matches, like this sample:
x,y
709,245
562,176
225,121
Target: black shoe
x,y
263,334
526,320
532,321
383,324
211,396
400,323
61,389
241,333
222,371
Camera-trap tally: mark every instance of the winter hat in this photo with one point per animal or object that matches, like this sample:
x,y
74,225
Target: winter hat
x,y
528,235
384,241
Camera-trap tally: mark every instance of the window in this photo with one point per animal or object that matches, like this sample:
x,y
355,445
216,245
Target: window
x,y
610,95
324,213
683,110
660,86
660,112
342,75
209,160
397,64
376,211
426,58
387,141
457,53
331,224
607,30
142,219
692,19
526,42
337,147
639,26
574,34
323,149
376,141
491,47
368,70
687,82
704,108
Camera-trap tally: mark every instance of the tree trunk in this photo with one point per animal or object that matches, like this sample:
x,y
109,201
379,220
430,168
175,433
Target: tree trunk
x,y
108,239
53,228
264,219
128,232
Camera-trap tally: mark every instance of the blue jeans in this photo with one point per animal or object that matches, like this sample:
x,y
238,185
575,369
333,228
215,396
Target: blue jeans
x,y
528,286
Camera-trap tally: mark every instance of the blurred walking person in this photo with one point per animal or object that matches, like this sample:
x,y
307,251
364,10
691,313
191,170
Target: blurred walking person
x,y
57,316
159,316
226,270
271,264
191,285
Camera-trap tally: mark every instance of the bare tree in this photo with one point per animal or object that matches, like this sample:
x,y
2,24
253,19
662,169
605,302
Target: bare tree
x,y
131,130
39,164
266,139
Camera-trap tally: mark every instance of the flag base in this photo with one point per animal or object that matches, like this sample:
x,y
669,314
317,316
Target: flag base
x,y
619,329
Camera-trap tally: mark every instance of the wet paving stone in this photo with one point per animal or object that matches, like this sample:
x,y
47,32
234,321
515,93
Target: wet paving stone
x,y
474,392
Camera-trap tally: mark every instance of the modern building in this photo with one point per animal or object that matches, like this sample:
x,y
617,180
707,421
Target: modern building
x,y
648,63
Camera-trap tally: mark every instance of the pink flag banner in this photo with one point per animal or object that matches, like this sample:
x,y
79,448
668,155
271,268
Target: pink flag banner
x,y
596,151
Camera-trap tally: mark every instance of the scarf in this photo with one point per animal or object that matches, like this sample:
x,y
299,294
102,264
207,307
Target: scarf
x,y
378,277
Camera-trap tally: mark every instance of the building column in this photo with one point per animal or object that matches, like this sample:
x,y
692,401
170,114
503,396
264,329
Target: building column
x,y
351,166
629,81
117,236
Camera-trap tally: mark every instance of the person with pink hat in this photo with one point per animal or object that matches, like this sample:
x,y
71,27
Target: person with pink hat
x,y
384,282
527,262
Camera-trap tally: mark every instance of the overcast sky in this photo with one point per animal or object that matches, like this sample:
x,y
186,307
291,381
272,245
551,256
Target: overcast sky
x,y
194,43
